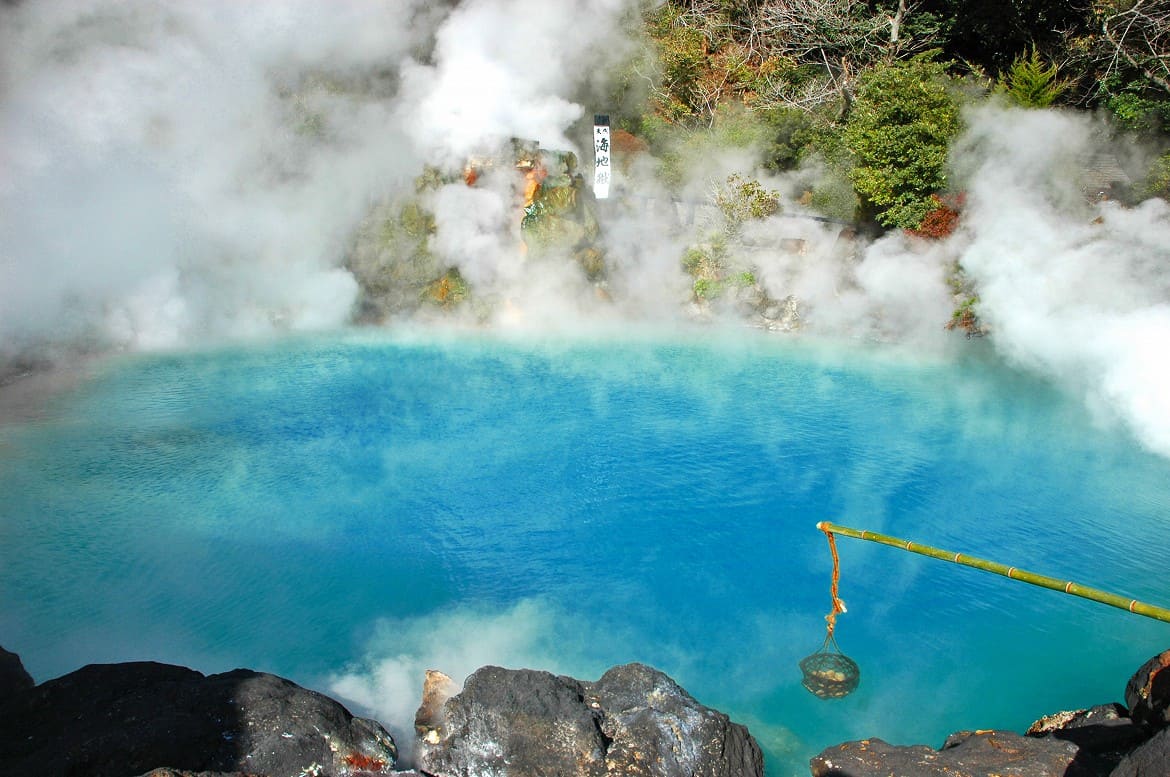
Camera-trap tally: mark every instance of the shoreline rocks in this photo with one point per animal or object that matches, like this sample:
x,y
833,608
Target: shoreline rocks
x,y
158,720
1148,692
121,720
1108,740
633,721
14,678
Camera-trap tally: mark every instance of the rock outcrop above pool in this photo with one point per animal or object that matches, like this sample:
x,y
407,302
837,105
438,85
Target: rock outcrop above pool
x,y
634,721
1109,740
120,720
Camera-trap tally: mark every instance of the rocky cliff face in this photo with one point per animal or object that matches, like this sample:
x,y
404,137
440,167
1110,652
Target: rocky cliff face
x,y
545,213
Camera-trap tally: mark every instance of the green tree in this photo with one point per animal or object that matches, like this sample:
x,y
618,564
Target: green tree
x,y
1157,182
682,59
1031,82
903,118
742,200
1134,103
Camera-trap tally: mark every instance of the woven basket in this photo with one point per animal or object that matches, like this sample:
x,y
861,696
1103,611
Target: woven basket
x,y
830,675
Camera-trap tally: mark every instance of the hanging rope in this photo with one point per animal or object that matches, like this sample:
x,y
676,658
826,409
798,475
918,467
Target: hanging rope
x,y
829,673
838,605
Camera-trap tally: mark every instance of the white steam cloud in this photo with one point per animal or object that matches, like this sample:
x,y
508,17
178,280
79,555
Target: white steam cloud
x,y
172,172
388,682
175,171
507,68
1073,289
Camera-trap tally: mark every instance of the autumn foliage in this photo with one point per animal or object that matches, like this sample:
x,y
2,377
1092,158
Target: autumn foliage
x,y
941,221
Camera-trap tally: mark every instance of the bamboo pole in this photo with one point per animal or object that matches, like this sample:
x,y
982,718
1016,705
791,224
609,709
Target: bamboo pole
x,y
1014,573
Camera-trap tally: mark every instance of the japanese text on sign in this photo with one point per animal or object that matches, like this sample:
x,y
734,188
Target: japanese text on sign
x,y
601,160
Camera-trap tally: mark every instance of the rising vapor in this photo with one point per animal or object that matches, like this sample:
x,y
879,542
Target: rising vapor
x,y
1076,288
178,172
181,171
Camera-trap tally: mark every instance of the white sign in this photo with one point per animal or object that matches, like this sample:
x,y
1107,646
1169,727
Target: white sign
x,y
602,171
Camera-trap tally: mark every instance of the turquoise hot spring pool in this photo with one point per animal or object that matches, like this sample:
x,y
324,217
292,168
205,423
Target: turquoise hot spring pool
x,y
351,509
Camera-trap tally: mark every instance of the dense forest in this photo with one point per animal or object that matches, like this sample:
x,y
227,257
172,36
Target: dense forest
x,y
859,119
873,93
860,101
876,88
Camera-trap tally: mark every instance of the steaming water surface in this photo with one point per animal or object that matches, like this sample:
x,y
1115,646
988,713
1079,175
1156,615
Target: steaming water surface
x,y
351,510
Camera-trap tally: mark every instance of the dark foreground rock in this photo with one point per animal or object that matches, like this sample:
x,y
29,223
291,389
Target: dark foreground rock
x,y
14,678
1148,692
121,720
633,721
970,754
185,773
1151,759
1103,735
1104,741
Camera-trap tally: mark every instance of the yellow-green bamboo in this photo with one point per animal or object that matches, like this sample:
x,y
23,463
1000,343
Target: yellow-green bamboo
x,y
1130,605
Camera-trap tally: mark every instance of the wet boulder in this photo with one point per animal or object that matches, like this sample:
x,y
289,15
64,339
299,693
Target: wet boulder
x,y
1108,740
1104,734
1151,759
127,719
1147,694
966,754
633,721
654,727
512,722
437,688
186,773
